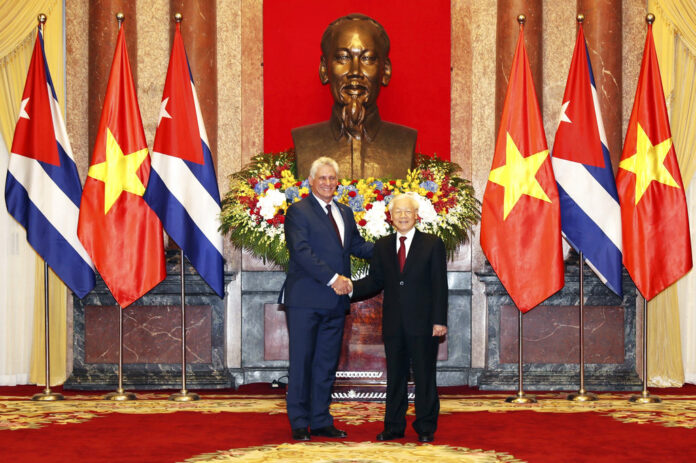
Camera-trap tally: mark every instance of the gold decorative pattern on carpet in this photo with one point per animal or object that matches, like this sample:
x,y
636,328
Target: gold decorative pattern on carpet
x,y
21,413
353,452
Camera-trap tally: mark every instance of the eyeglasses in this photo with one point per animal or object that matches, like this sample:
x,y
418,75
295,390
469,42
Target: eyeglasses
x,y
406,212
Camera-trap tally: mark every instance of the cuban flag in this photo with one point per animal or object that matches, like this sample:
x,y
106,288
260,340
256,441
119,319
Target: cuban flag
x,y
43,188
590,212
183,189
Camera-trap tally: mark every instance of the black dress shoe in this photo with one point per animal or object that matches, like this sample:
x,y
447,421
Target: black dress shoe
x,y
300,434
329,431
426,437
389,435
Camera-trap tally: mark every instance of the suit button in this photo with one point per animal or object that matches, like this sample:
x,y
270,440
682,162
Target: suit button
x,y
401,283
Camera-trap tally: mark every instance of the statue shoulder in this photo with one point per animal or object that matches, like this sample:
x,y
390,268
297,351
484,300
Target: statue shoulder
x,y
311,132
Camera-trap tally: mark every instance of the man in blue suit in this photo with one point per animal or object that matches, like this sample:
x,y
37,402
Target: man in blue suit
x,y
321,235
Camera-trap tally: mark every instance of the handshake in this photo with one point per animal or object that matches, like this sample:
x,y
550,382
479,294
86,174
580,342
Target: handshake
x,y
342,285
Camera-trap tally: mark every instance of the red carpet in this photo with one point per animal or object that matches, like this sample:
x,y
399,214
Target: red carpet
x,y
250,425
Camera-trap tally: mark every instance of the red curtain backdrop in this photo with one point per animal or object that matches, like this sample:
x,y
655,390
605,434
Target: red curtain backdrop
x,y
417,96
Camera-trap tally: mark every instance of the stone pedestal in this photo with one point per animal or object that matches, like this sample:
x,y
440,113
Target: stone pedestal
x,y
362,373
151,336
551,337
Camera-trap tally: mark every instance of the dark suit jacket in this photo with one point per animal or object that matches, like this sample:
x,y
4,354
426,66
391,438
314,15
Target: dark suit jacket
x,y
316,254
415,299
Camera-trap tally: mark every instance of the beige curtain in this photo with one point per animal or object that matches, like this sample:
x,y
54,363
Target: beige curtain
x,y
18,21
671,319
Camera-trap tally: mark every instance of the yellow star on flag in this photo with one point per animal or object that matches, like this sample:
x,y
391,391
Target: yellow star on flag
x,y
119,173
518,176
648,163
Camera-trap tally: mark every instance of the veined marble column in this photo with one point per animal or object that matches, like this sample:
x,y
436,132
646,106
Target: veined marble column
x,y
103,30
506,40
603,33
199,30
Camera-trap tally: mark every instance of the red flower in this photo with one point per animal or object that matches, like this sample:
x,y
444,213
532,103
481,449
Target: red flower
x,y
380,197
429,195
376,191
368,207
278,185
281,219
304,195
362,222
269,221
253,181
392,182
352,194
353,182
298,183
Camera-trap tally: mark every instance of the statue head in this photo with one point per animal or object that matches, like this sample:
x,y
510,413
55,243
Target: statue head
x,y
355,63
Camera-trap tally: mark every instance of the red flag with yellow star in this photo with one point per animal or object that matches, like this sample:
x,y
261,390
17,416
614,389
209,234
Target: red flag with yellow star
x,y
116,226
657,246
520,217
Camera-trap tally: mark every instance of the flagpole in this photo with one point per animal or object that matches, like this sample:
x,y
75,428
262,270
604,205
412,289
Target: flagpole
x,y
582,395
645,397
119,394
521,397
46,395
183,395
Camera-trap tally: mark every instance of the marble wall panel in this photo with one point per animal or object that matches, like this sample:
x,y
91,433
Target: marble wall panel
x,y
152,334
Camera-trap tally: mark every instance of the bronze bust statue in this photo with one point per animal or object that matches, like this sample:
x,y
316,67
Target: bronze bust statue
x,y
355,63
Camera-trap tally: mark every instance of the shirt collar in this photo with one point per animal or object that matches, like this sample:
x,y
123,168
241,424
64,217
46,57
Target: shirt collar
x,y
372,123
408,235
323,203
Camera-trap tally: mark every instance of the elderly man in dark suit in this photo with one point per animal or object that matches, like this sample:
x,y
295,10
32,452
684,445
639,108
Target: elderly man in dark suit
x,y
321,235
411,267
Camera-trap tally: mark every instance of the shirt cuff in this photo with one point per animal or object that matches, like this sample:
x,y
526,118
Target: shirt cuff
x,y
331,281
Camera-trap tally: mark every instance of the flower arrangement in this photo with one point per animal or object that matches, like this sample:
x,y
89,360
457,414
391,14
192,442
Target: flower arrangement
x,y
253,210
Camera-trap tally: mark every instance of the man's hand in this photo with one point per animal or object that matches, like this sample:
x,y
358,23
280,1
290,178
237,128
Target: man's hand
x,y
439,330
342,285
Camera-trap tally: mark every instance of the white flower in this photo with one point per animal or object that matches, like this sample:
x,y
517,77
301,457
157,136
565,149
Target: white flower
x,y
426,211
269,202
376,219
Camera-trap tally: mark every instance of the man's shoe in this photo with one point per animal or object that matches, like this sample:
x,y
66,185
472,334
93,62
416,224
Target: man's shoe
x,y
329,431
389,435
300,434
426,437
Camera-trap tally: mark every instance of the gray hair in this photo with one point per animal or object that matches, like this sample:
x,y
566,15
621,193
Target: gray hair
x,y
411,196
323,161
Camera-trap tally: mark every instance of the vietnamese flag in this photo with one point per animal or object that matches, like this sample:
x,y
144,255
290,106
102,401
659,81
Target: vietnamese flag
x,y
657,246
520,217
117,228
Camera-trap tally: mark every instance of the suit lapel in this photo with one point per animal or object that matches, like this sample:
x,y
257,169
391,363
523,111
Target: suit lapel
x,y
413,250
324,217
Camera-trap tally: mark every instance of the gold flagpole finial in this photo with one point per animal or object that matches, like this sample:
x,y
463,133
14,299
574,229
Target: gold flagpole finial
x,y
580,18
42,18
650,18
120,17
178,17
521,19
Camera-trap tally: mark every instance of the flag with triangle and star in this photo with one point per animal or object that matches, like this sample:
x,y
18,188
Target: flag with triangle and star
x,y
43,188
657,245
590,211
117,227
520,218
183,189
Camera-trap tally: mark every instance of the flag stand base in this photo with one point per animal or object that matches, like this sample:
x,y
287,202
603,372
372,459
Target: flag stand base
x,y
47,395
521,398
120,395
645,398
582,396
184,396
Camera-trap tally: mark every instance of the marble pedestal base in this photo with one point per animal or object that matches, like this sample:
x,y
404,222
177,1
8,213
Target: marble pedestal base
x,y
551,337
151,336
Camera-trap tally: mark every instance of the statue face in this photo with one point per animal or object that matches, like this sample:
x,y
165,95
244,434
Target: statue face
x,y
355,64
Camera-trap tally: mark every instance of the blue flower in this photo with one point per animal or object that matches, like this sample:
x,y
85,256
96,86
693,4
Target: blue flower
x,y
292,193
377,185
429,185
260,187
356,203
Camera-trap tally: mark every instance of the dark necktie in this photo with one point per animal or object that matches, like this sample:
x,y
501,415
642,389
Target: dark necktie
x,y
402,253
333,222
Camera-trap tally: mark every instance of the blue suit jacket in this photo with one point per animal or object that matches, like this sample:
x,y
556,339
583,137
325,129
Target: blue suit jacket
x,y
316,253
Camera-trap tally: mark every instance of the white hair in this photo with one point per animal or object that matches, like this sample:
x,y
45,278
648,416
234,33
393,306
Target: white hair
x,y
411,196
323,161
